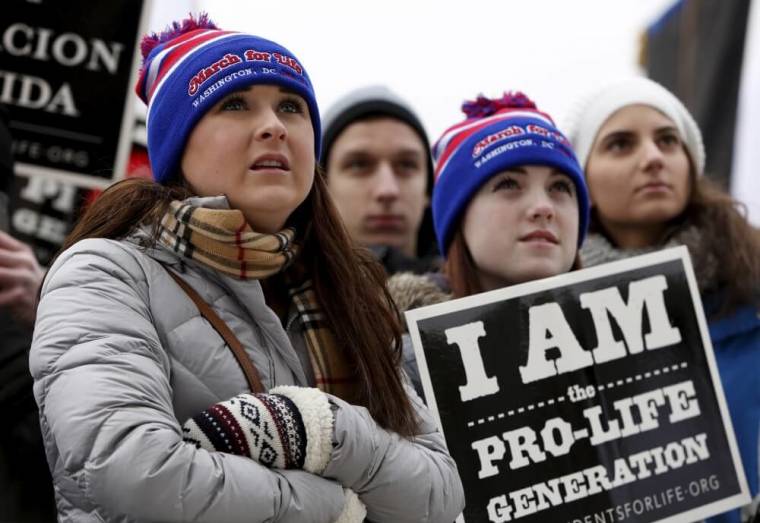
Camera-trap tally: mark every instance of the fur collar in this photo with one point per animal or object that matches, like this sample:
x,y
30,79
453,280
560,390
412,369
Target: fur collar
x,y
410,291
597,249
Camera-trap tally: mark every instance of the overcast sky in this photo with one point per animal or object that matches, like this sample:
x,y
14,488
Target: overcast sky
x,y
435,54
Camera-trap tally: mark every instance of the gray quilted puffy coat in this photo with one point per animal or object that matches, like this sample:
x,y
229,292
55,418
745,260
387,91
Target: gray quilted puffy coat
x,y
121,358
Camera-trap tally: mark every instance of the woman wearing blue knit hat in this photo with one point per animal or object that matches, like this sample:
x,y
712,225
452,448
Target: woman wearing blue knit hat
x,y
198,351
509,205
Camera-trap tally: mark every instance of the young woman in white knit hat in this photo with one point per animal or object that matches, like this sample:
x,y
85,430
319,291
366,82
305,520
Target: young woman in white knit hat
x,y
644,162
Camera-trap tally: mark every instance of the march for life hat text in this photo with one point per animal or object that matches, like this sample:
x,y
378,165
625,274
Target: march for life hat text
x,y
231,59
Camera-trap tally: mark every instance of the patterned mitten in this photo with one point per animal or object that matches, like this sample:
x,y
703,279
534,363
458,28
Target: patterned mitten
x,y
354,510
288,428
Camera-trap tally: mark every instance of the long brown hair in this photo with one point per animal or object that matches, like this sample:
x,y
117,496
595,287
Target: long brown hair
x,y
460,268
735,243
728,236
347,280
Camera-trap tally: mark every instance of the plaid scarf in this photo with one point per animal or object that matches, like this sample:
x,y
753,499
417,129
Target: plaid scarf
x,y
223,240
332,373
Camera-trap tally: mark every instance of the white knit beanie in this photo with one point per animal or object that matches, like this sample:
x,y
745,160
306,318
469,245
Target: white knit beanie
x,y
587,116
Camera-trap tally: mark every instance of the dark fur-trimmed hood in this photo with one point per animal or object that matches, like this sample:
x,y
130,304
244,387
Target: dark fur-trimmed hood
x,y
410,291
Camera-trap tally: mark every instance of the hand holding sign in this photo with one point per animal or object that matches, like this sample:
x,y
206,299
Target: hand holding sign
x,y
20,278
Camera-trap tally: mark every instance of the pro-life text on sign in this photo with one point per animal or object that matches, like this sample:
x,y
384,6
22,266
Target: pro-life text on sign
x,y
591,396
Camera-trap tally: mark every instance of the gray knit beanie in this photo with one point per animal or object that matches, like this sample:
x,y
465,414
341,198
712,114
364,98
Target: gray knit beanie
x,y
374,100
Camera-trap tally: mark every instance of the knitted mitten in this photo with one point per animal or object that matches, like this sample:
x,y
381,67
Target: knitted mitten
x,y
290,427
354,510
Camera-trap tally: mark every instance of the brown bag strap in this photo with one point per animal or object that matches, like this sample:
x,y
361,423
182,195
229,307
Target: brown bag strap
x,y
249,369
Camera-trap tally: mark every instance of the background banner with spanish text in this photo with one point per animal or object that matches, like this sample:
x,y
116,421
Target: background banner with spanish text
x,y
67,71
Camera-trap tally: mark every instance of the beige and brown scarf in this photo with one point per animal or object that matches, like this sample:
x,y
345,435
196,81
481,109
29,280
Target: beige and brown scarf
x,y
223,240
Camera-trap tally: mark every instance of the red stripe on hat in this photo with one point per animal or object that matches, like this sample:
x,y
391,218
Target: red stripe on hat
x,y
183,46
163,53
454,143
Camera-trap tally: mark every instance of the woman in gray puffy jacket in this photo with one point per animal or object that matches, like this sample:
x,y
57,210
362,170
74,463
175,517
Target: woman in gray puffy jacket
x,y
147,413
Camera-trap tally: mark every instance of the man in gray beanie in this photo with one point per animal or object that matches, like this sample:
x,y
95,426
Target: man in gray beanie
x,y
376,156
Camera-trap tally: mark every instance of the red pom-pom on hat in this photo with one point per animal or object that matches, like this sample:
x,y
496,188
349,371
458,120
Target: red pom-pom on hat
x,y
151,40
483,106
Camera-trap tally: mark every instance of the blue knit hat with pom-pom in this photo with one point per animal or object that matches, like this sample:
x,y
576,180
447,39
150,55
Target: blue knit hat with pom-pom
x,y
191,66
497,135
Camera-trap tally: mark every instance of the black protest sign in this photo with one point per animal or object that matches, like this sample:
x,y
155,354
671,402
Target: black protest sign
x,y
67,76
42,212
587,397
